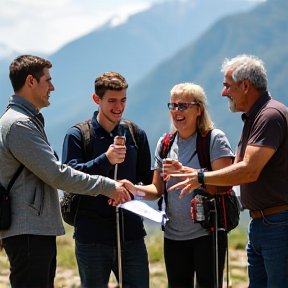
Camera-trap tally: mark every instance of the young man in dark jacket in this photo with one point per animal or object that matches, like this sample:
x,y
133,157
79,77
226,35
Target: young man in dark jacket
x,y
95,232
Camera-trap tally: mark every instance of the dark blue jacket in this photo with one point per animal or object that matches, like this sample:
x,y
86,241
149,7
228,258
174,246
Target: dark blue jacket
x,y
137,168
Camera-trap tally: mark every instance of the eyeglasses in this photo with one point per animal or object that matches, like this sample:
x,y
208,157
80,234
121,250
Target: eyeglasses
x,y
181,106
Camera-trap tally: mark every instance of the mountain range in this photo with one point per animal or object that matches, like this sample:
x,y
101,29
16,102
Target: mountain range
x,y
134,49
263,31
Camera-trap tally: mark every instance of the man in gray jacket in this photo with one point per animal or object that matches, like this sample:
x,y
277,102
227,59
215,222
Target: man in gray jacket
x,y
30,242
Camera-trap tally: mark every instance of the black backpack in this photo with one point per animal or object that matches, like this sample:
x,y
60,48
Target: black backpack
x,y
228,210
70,203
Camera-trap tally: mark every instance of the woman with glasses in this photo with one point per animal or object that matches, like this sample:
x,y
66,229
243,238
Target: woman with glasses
x,y
189,249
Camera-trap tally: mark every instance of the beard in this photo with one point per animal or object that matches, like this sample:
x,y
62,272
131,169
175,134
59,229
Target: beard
x,y
232,105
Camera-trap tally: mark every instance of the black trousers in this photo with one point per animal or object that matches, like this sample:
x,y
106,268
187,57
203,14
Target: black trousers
x,y
32,260
185,258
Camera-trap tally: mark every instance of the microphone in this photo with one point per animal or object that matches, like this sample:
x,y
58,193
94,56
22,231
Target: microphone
x,y
118,140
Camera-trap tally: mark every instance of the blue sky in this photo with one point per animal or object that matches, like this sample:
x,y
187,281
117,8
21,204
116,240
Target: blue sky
x,y
45,26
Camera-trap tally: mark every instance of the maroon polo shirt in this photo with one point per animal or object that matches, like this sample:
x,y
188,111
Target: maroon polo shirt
x,y
266,125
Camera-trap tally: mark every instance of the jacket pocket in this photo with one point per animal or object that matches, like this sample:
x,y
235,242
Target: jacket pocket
x,y
37,200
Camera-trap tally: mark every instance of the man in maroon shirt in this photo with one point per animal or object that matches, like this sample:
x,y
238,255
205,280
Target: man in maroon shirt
x,y
261,169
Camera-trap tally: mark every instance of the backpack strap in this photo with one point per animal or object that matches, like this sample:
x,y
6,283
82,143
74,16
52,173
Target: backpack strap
x,y
203,149
133,130
167,144
85,129
138,142
164,150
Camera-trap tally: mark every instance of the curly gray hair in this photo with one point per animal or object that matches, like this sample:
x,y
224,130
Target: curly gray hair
x,y
247,67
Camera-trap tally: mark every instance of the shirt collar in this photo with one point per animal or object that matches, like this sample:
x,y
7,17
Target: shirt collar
x,y
95,124
20,101
262,100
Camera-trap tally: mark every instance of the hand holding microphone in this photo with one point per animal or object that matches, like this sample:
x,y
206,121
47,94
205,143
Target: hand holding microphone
x,y
117,151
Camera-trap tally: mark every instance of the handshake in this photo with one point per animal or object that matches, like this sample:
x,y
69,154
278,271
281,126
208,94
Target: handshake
x,y
124,191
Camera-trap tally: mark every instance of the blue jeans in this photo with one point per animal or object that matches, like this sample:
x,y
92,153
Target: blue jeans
x,y
97,260
267,251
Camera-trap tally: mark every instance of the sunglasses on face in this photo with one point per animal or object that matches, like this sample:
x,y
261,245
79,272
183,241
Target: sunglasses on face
x,y
181,106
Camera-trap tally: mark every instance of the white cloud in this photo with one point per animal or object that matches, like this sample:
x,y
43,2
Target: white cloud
x,y
45,26
28,26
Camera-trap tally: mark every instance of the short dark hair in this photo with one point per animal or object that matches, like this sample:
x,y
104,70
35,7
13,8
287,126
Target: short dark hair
x,y
109,81
25,65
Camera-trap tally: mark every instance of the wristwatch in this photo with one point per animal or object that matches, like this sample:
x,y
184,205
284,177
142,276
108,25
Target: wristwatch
x,y
201,177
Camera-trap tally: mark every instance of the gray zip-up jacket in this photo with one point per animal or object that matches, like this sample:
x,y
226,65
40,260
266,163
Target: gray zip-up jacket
x,y
34,196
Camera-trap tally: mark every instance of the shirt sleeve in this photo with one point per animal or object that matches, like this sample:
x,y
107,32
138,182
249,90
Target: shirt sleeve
x,y
268,129
219,146
158,161
72,155
28,145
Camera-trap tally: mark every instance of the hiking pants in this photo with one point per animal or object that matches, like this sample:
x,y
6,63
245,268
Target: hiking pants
x,y
185,258
32,260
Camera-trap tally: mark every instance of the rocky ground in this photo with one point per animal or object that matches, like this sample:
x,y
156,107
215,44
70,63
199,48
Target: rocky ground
x,y
69,279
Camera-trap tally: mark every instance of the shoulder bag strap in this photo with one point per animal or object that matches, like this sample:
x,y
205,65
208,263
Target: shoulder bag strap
x,y
15,176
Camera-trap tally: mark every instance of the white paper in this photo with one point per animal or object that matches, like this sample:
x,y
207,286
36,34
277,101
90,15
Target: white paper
x,y
142,209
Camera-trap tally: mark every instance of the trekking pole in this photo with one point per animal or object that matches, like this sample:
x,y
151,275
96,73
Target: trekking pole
x,y
119,246
216,245
118,140
229,282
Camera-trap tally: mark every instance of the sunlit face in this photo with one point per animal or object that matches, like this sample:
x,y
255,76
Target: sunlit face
x,y
234,92
112,105
185,121
42,89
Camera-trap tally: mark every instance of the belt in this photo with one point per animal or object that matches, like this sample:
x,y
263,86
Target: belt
x,y
257,214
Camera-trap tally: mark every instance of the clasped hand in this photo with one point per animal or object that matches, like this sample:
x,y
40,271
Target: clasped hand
x,y
125,187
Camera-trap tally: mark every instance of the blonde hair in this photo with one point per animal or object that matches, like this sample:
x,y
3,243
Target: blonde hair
x,y
204,121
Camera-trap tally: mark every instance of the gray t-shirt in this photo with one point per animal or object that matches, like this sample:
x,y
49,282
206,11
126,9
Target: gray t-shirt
x,y
180,225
